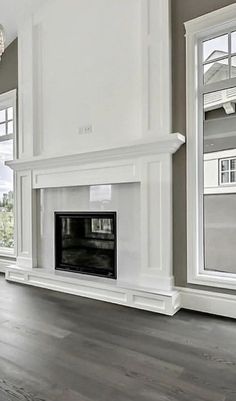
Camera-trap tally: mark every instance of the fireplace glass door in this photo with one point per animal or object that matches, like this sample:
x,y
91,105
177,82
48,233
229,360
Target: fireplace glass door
x,y
86,243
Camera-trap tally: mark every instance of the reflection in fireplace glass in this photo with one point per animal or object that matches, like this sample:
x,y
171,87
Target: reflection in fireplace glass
x,y
101,226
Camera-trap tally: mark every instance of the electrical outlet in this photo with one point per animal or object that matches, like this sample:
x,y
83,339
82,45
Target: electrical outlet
x,y
85,129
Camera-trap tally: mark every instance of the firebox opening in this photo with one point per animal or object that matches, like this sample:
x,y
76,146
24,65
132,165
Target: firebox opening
x,y
85,242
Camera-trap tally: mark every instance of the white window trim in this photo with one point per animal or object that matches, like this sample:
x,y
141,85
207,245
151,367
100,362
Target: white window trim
x,y
9,99
203,27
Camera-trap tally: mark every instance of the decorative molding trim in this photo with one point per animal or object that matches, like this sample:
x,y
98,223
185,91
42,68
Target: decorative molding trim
x,y
26,219
26,262
164,144
156,221
88,174
214,18
156,53
37,79
154,280
208,301
25,73
164,302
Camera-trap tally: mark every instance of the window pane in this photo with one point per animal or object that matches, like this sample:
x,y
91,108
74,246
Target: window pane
x,y
233,176
215,48
10,113
2,116
224,178
233,164
217,71
233,67
10,127
219,123
225,165
219,206
6,196
233,42
220,232
3,129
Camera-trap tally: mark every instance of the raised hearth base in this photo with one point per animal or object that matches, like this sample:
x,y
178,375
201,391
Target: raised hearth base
x,y
166,302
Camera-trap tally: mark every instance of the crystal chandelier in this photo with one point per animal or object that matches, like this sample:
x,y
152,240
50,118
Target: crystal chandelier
x,y
2,40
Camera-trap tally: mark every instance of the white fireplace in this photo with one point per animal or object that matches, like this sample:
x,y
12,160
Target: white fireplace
x,y
95,110
140,185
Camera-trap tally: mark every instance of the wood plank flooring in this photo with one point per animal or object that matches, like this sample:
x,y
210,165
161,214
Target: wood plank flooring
x,y
58,347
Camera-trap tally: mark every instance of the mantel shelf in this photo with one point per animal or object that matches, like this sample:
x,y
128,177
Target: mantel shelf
x,y
164,144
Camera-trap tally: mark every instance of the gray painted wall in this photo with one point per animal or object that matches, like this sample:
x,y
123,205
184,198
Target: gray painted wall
x,y
183,10
8,68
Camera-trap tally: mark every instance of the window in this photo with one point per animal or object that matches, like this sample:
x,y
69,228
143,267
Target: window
x,y
211,148
6,121
7,152
227,171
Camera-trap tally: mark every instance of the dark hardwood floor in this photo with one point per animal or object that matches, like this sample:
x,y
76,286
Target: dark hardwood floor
x,y
61,347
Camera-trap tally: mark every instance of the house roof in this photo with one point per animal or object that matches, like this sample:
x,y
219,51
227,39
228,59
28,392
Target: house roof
x,y
215,54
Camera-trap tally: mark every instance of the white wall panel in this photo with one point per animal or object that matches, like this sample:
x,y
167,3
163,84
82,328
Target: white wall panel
x,y
87,72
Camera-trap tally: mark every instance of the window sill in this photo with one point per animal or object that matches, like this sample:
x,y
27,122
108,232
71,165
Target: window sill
x,y
7,253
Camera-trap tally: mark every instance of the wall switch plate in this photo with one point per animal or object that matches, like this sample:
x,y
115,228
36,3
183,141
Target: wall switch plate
x,y
85,129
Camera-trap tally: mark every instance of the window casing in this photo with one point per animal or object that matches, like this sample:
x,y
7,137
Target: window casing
x,y
198,33
7,178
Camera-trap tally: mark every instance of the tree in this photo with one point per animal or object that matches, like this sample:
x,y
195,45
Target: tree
x,y
7,221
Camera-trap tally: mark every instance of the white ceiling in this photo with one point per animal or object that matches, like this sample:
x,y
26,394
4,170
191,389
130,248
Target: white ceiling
x,y
12,12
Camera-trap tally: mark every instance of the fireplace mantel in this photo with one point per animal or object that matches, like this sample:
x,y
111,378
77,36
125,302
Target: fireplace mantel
x,y
163,144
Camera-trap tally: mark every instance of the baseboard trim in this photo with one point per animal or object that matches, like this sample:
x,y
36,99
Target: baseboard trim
x,y
167,303
5,263
208,301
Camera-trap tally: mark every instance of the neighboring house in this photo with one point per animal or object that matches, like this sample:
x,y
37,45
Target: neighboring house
x,y
219,68
220,172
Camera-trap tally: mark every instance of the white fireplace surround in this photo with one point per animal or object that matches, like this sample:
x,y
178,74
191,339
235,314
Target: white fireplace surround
x,y
130,103
147,163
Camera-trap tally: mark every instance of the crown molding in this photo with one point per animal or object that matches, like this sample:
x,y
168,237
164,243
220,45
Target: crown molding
x,y
223,15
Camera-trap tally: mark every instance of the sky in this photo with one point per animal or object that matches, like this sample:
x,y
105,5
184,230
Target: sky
x,y
219,44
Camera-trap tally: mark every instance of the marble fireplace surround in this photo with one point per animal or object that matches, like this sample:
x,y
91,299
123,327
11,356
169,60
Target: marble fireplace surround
x,y
148,163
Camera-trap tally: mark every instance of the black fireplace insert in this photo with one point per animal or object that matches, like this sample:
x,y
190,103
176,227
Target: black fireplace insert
x,y
85,242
